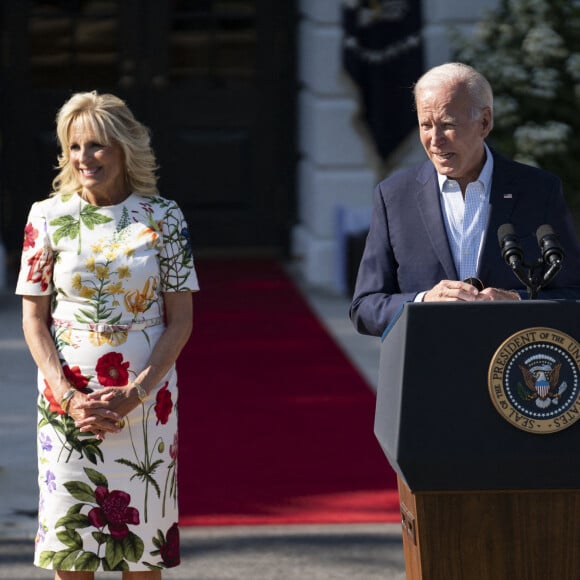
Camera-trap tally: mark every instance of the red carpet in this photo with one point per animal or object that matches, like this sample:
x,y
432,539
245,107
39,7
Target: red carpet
x,y
276,425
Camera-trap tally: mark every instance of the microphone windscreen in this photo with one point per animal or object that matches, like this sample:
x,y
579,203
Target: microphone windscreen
x,y
504,231
543,231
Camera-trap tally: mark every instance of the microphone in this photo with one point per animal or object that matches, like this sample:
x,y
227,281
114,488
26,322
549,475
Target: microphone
x,y
552,251
511,251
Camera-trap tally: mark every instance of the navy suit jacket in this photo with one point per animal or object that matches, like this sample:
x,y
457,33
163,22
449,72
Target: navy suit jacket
x,y
407,250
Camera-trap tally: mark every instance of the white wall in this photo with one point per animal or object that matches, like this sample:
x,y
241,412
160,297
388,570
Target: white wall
x,y
338,166
334,166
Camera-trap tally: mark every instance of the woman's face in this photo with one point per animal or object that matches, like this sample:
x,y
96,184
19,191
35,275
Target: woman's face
x,y
100,168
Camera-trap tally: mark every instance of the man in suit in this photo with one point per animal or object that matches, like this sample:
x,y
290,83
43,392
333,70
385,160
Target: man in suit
x,y
435,225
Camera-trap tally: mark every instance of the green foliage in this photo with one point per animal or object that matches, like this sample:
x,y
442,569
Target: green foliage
x,y
70,227
529,50
118,551
86,444
177,259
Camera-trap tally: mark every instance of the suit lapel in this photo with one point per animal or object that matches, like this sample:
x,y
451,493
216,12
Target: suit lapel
x,y
503,196
430,210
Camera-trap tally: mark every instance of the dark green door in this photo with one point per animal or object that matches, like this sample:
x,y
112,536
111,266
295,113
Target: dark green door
x,y
213,79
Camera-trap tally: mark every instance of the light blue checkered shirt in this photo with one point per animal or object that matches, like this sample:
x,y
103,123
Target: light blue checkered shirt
x,y
465,220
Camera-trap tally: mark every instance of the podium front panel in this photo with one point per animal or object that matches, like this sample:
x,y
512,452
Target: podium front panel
x,y
435,419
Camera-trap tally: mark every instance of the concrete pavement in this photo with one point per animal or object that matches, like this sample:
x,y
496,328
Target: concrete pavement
x,y
313,552
260,553
18,488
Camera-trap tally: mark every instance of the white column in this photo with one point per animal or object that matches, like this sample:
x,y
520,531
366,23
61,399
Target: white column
x,y
334,168
444,18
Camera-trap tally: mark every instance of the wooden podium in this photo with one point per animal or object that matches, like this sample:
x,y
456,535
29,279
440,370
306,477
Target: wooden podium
x,y
481,499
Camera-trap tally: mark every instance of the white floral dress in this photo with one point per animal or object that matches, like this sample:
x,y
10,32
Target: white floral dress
x,y
112,504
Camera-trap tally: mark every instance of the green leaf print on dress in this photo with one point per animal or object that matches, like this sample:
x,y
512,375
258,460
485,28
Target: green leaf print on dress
x,y
71,438
105,284
110,513
177,259
70,227
145,467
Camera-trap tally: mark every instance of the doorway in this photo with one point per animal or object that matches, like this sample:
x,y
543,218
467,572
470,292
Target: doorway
x,y
214,80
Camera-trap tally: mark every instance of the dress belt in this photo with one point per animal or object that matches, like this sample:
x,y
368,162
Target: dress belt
x,y
103,327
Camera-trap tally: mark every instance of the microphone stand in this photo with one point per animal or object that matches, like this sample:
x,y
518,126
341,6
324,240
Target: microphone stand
x,y
536,278
537,275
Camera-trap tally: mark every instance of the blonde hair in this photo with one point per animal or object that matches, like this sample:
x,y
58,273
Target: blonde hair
x,y
460,74
111,121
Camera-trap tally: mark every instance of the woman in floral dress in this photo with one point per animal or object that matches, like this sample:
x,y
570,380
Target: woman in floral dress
x,y
107,277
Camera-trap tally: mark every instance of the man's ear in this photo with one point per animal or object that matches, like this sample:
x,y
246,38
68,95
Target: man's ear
x,y
486,121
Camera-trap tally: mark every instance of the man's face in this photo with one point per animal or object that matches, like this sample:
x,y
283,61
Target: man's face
x,y
451,136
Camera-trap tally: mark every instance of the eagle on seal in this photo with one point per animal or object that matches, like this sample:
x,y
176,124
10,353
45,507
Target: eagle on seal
x,y
542,382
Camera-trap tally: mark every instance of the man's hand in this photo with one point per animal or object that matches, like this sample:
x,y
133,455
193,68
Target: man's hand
x,y
456,291
491,294
452,291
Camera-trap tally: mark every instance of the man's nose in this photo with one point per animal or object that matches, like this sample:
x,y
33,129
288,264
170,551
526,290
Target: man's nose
x,y
438,135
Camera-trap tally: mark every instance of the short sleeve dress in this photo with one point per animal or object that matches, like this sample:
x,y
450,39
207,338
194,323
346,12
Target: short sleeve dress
x,y
107,505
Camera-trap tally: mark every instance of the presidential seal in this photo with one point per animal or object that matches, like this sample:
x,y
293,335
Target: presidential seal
x,y
534,380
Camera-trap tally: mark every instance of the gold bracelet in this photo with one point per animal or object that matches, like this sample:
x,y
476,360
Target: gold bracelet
x,y
141,392
66,399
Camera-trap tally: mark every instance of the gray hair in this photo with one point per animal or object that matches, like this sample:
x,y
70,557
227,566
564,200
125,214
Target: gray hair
x,y
460,74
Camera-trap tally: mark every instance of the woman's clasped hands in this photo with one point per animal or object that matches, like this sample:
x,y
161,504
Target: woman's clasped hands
x,y
102,411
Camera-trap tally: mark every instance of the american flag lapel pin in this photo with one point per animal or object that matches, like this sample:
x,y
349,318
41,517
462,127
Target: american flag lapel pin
x,y
508,195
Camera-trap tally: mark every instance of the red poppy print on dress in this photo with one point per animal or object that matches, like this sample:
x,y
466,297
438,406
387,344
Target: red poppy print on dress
x,y
30,235
74,376
163,404
40,268
53,403
112,371
174,447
